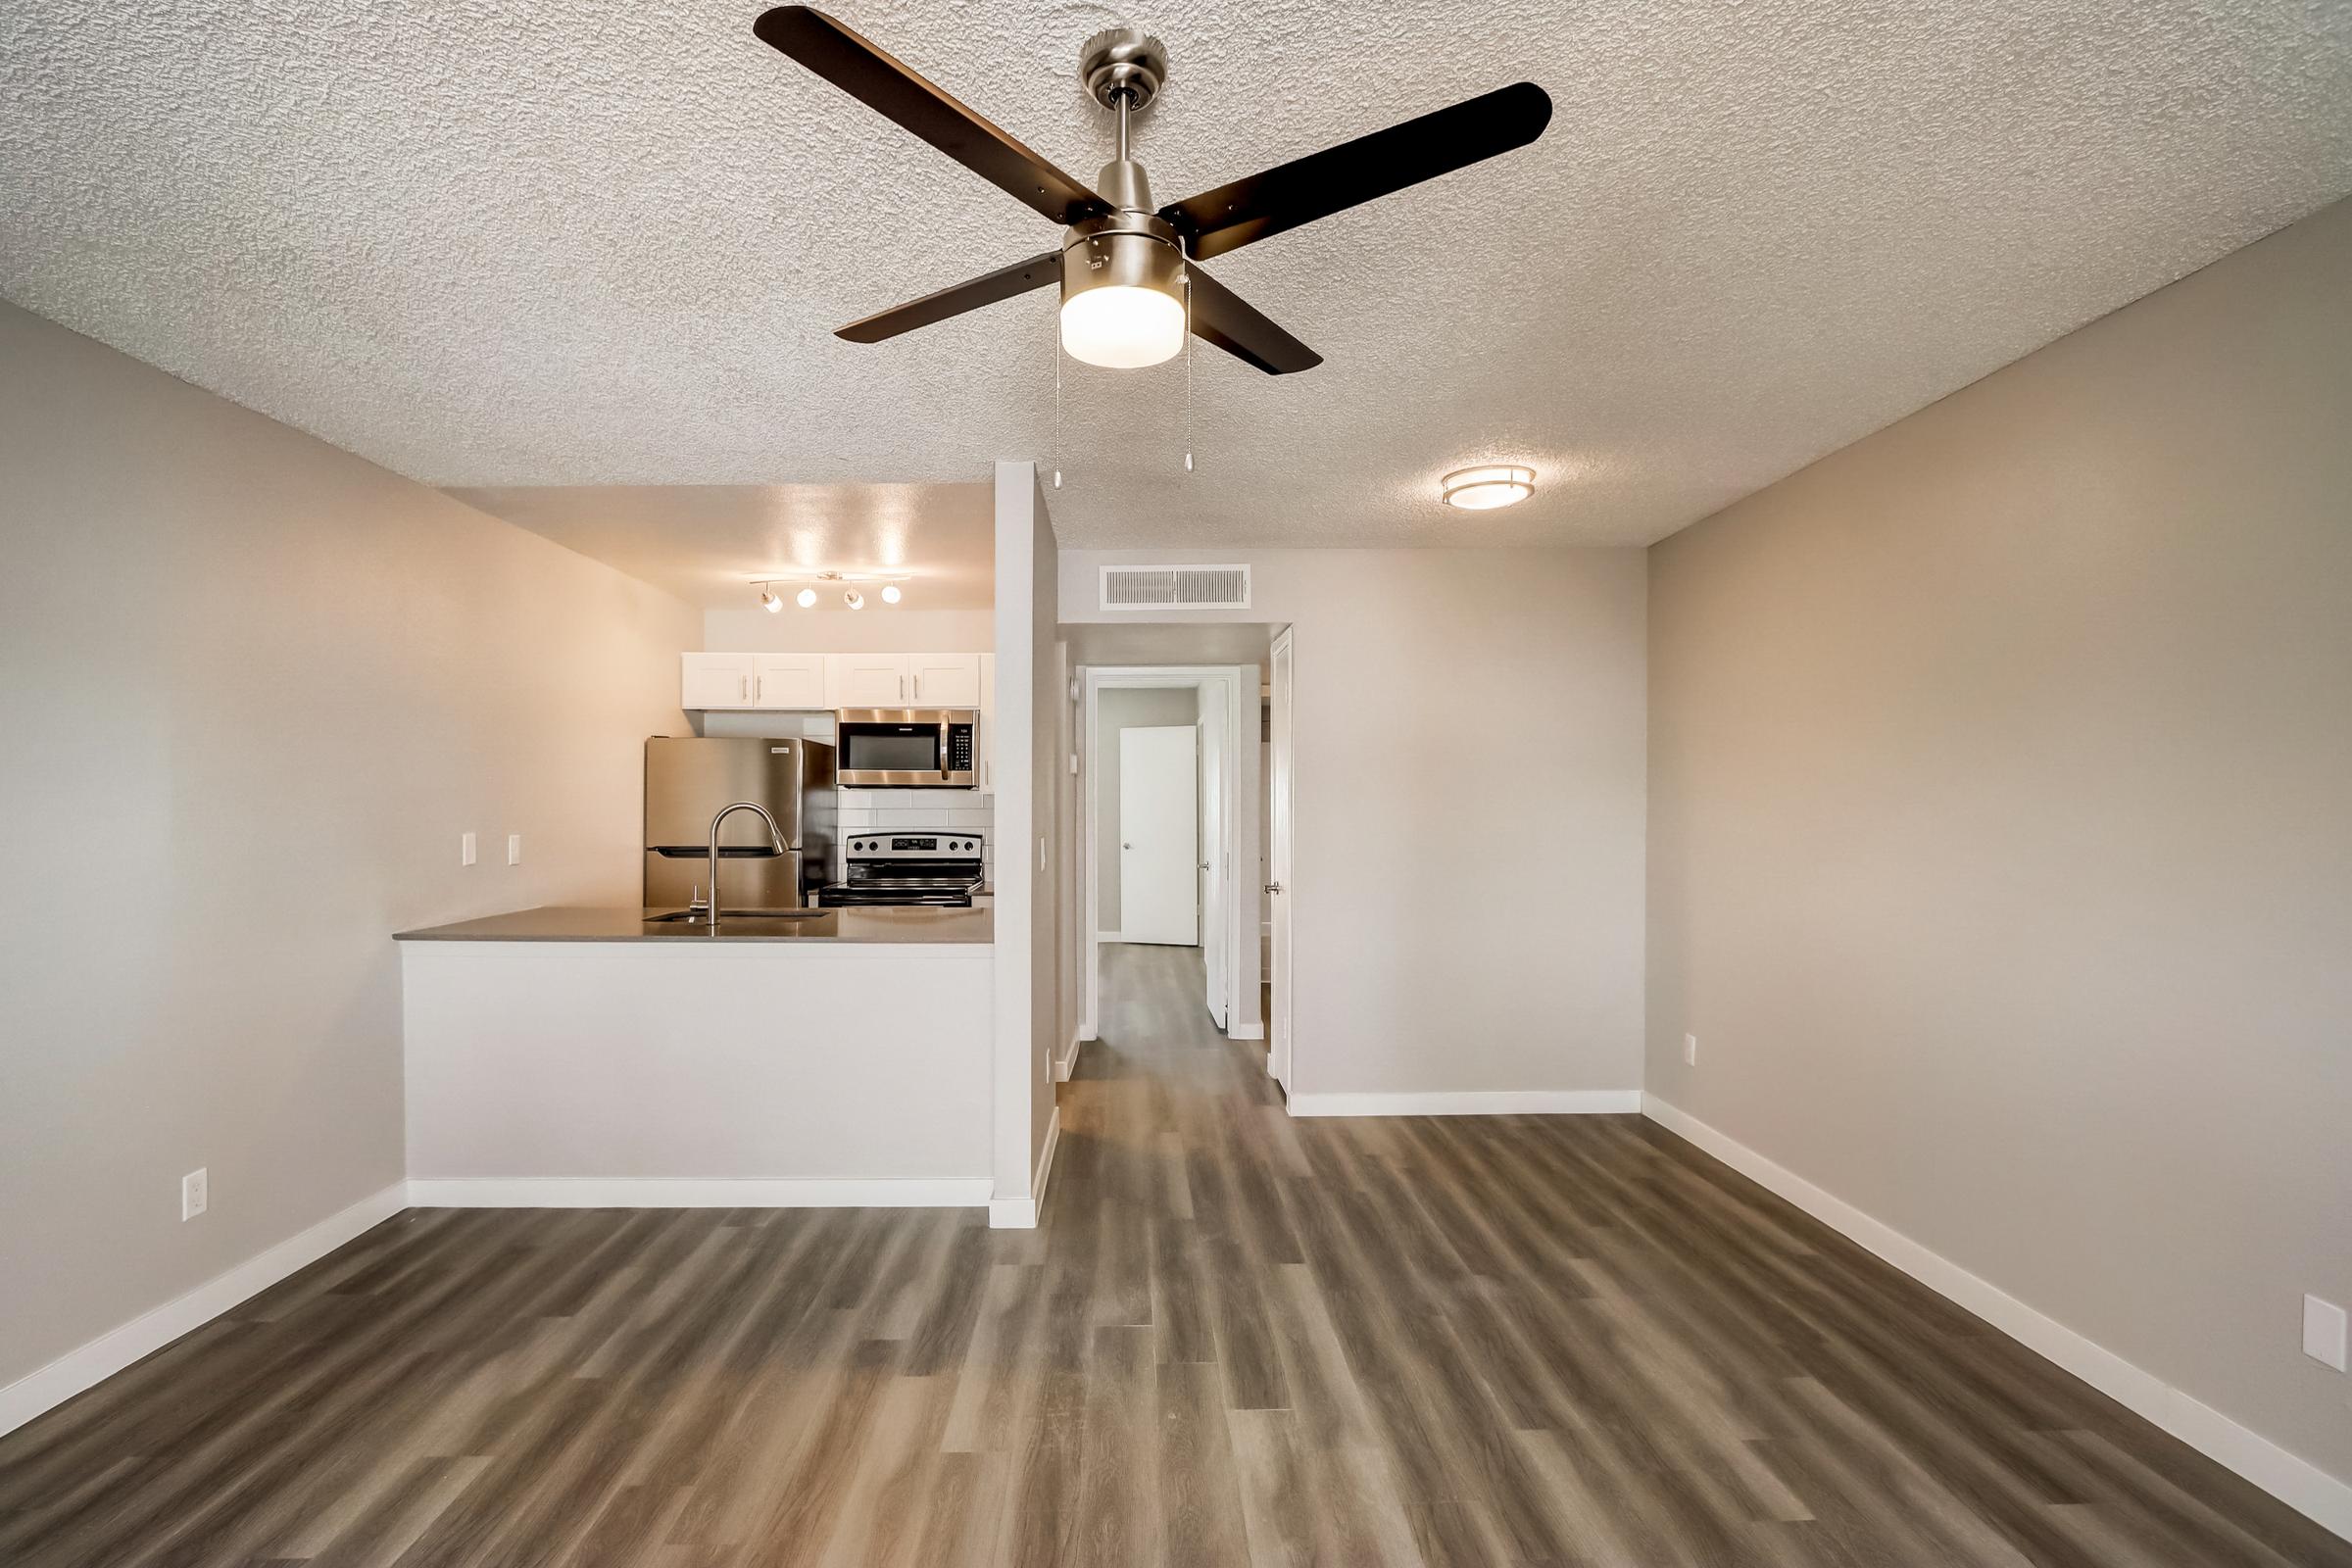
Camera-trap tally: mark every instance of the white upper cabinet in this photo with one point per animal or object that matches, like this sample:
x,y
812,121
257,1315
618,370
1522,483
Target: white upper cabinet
x,y
807,682
789,680
867,680
944,680
716,680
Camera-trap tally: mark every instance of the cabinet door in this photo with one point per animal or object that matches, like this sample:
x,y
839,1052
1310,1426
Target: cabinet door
x,y
716,680
987,720
944,680
866,680
789,680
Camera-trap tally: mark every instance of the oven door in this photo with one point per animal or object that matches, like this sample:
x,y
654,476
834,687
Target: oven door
x,y
903,748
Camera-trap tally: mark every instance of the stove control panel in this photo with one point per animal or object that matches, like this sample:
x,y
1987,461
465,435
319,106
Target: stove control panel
x,y
926,846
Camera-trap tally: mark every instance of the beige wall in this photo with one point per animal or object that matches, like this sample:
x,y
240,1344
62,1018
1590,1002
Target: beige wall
x,y
1031,740
2001,828
253,689
1121,707
1458,929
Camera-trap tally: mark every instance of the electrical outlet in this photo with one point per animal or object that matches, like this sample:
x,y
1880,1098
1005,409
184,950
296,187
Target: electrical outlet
x,y
195,1193
513,849
466,849
1689,1050
2324,1332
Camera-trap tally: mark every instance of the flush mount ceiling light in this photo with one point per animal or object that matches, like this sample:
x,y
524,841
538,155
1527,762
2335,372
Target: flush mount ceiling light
x,y
1130,274
1488,486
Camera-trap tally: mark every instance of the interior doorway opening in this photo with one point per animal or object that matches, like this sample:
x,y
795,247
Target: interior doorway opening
x,y
1169,843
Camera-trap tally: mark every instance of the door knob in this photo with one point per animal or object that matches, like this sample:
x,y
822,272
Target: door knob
x,y
1126,846
1273,887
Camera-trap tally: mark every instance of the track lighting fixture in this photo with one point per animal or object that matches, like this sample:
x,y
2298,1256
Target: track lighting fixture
x,y
813,585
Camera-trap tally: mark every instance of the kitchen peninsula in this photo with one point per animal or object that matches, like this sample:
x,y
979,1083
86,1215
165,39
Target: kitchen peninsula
x,y
590,1057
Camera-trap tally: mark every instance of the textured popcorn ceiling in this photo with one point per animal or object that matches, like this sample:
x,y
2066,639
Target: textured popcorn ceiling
x,y
498,244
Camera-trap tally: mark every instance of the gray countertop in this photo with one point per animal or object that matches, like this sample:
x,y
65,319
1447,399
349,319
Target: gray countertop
x,y
863,924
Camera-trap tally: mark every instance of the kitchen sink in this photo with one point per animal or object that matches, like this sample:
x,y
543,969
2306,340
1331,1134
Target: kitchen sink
x,y
730,916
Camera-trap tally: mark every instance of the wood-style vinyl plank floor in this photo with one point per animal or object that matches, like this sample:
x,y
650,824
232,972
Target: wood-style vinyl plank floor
x,y
1237,1338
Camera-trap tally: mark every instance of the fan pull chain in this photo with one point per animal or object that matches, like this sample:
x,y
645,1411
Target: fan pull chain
x,y
1187,370
1057,340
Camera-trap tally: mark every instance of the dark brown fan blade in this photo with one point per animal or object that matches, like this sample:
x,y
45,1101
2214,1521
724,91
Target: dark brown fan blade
x,y
1355,172
1223,318
988,288
888,87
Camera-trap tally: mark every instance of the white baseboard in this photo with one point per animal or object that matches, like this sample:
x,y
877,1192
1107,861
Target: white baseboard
x,y
662,1192
1020,1213
109,1354
2292,1480
1474,1102
1246,1031
1108,936
1067,1062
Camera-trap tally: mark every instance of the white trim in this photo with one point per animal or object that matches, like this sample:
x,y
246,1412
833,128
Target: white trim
x,y
1110,936
2292,1480
672,1192
1066,1065
1474,1102
1248,1031
109,1352
1020,1213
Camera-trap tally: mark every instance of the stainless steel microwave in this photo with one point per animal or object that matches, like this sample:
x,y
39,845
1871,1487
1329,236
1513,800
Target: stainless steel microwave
x,y
907,748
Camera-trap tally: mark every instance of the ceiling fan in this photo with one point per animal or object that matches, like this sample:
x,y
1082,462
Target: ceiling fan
x,y
1130,274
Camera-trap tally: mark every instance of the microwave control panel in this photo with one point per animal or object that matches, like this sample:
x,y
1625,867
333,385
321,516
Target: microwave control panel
x,y
959,749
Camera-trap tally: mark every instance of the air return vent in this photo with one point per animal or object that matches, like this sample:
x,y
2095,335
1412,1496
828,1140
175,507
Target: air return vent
x,y
1175,587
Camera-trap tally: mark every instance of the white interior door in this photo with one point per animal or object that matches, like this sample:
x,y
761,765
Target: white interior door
x,y
1278,870
1159,828
1215,873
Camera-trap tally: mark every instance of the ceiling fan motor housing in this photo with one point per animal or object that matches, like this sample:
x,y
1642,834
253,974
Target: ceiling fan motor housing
x,y
1130,246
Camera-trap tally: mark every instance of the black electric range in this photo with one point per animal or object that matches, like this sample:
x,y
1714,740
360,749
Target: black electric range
x,y
941,869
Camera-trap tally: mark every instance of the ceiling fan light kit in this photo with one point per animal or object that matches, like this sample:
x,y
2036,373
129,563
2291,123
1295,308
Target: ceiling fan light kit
x,y
1132,286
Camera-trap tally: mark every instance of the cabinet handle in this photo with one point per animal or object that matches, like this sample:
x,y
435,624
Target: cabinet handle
x,y
758,688
743,688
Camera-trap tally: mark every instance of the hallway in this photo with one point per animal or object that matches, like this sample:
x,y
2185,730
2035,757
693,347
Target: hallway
x,y
1236,1339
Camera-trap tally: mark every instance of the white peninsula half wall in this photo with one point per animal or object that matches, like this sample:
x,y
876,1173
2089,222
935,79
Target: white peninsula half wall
x,y
597,1057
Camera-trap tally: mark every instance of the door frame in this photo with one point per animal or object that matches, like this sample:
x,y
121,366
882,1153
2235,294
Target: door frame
x,y
1239,913
1282,856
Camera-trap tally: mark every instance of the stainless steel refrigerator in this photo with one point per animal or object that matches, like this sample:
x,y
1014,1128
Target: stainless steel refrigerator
x,y
688,781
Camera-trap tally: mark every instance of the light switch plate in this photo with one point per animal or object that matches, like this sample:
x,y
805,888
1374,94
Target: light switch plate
x,y
466,849
195,1194
1690,1050
513,849
2323,1332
